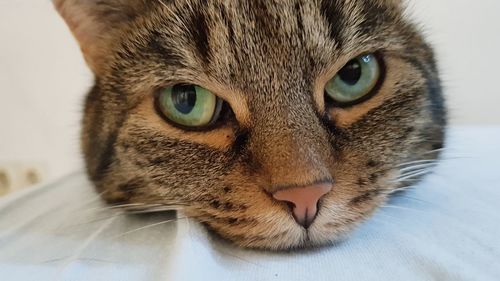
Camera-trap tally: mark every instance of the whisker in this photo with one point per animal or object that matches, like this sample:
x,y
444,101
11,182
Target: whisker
x,y
411,168
414,198
114,215
146,227
241,259
429,161
94,199
413,175
80,259
436,150
117,213
156,209
384,214
115,207
401,189
398,207
139,206
415,171
417,162
85,244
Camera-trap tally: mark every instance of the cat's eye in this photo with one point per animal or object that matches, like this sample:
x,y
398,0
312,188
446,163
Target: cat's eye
x,y
188,105
356,80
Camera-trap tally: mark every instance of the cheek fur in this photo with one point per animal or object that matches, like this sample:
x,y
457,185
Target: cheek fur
x,y
262,58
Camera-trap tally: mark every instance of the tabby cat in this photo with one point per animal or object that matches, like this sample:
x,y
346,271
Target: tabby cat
x,y
279,124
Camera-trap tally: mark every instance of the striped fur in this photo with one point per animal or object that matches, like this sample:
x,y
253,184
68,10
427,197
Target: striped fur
x,y
269,60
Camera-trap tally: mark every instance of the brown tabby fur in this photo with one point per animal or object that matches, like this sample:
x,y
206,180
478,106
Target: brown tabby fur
x,y
269,60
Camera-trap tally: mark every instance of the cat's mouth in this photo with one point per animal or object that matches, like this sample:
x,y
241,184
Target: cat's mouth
x,y
279,229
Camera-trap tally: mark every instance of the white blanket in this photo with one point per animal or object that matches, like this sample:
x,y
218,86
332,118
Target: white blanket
x,y
446,228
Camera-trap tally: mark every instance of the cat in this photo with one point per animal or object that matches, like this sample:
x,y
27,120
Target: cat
x,y
277,124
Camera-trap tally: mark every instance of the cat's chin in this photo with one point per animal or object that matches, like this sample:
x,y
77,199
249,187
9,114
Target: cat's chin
x,y
309,239
277,230
291,236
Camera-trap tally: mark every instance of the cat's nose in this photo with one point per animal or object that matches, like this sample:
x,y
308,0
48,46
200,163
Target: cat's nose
x,y
304,201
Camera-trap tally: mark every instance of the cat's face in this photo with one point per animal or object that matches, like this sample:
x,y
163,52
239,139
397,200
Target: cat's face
x,y
281,145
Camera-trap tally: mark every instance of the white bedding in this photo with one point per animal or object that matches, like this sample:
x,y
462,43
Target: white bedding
x,y
446,228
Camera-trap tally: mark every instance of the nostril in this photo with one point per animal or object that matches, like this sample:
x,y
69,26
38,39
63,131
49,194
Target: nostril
x,y
303,201
290,205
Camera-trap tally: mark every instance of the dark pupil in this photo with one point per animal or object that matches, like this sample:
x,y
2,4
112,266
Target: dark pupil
x,y
351,73
184,98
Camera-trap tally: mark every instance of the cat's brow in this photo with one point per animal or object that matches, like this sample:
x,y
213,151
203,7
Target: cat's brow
x,y
235,98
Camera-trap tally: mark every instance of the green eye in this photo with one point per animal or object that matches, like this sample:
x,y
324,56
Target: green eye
x,y
189,105
355,80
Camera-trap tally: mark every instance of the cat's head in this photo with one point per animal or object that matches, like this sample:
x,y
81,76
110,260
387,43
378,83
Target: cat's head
x,y
279,124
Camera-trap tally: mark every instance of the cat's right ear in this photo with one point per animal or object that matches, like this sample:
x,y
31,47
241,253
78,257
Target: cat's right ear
x,y
96,24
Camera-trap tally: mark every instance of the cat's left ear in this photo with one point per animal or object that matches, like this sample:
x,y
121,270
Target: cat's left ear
x,y
96,24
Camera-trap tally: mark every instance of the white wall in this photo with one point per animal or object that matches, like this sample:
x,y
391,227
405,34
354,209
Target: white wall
x,y
43,77
466,35
42,82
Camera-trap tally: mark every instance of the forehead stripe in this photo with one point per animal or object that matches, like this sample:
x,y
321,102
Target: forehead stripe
x,y
333,14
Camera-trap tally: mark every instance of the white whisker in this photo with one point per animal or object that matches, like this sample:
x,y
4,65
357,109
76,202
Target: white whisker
x,y
403,208
435,150
413,175
417,162
414,198
401,189
115,207
415,171
61,229
85,244
139,206
145,227
411,168
396,207
156,209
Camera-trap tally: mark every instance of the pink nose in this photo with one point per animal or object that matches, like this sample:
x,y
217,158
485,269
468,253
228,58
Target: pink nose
x,y
304,200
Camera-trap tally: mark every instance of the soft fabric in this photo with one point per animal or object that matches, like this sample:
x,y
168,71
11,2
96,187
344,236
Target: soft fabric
x,y
445,228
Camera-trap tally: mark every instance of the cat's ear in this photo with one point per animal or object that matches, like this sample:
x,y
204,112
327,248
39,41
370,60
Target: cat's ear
x,y
95,23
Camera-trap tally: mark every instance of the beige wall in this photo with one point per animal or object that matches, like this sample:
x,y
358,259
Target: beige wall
x,y
43,78
466,35
42,82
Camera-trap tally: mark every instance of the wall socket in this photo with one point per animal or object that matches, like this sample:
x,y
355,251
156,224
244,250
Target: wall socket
x,y
16,176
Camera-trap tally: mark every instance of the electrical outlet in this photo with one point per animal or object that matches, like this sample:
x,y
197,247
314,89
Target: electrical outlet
x,y
19,175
